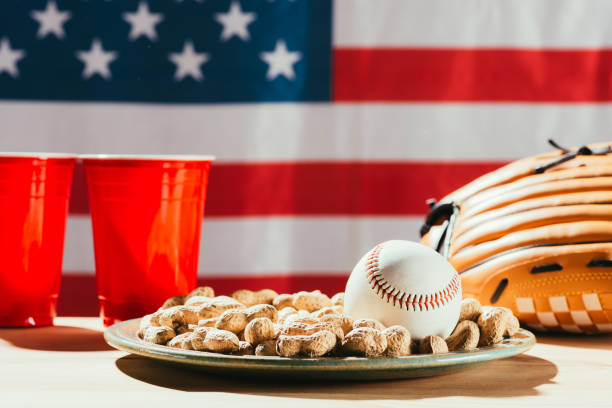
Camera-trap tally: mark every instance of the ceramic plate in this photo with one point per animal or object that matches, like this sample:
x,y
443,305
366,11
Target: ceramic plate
x,y
123,337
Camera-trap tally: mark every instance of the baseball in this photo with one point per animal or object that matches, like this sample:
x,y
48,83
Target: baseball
x,y
405,283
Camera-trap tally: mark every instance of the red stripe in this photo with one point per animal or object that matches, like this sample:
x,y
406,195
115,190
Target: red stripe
x,y
322,188
78,292
472,75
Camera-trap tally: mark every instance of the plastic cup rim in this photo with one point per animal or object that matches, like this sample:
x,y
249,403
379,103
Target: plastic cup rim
x,y
169,157
39,155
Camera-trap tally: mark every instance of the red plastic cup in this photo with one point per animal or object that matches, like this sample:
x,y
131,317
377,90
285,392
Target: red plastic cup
x,y
34,192
147,216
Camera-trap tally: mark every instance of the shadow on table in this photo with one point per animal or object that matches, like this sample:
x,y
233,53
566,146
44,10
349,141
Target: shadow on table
x,y
511,377
596,341
55,338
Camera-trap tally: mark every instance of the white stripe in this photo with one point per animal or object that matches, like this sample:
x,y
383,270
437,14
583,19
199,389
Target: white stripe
x,y
558,304
572,328
303,131
267,245
591,302
604,327
547,318
473,23
581,317
525,305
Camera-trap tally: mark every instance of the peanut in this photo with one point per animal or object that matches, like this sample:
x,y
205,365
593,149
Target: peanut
x,y
268,311
178,316
470,309
215,340
205,291
338,299
328,310
182,341
374,324
432,345
211,322
267,348
185,329
145,322
215,307
259,330
158,334
343,321
306,329
465,336
200,300
398,341
285,313
282,301
310,301
250,298
277,329
244,349
300,316
153,319
235,320
173,301
495,323
364,341
313,345
197,300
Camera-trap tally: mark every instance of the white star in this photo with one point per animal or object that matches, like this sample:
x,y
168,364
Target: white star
x,y
96,60
9,58
143,22
280,61
51,21
188,62
235,22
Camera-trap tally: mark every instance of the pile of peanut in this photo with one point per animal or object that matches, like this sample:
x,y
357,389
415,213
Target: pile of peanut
x,y
306,324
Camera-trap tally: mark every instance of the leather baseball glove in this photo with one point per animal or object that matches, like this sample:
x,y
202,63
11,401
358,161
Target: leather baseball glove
x,y
535,236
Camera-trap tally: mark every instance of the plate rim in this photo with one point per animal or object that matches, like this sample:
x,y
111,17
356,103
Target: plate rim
x,y
134,345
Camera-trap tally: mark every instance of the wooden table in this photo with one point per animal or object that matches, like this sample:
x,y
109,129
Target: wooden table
x,y
71,365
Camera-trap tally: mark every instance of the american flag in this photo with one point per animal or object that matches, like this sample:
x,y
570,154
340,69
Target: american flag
x,y
332,121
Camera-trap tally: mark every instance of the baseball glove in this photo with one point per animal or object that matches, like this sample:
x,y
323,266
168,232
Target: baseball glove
x,y
535,236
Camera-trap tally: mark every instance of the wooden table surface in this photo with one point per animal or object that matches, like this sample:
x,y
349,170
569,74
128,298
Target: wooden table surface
x,y
71,365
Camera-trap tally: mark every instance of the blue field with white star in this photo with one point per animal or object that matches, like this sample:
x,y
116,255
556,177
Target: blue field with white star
x,y
166,52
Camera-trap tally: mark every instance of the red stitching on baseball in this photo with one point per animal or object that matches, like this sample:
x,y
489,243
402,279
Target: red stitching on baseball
x,y
411,301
